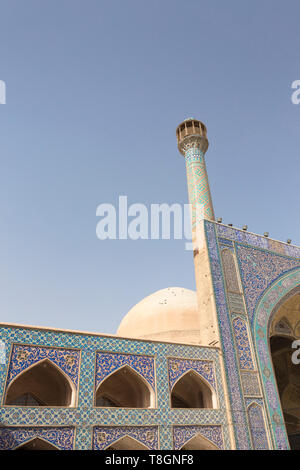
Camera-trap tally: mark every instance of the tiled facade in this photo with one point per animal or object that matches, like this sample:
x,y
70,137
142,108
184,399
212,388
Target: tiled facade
x,y
262,273
269,271
95,357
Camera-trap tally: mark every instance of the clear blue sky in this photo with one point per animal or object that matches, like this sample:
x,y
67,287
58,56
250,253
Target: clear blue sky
x,y
95,90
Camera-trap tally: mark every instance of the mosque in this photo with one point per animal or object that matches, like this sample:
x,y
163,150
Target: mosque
x,y
210,369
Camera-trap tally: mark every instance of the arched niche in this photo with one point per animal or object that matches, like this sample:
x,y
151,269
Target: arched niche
x,y
257,426
287,373
42,384
192,391
125,388
36,444
230,271
274,318
127,443
199,442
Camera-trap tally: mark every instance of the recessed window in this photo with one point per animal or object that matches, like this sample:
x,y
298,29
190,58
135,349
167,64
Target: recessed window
x,y
43,384
191,391
124,388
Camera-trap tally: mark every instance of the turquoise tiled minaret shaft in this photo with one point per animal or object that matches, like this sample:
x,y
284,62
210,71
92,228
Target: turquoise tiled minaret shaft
x,y
193,143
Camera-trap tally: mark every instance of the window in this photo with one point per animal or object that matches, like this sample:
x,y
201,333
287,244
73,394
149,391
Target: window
x,y
125,388
43,384
191,391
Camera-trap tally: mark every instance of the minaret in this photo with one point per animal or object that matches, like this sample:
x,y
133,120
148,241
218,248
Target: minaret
x,y
193,143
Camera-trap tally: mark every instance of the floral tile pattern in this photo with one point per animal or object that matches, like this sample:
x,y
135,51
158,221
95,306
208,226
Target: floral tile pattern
x,y
104,436
106,363
61,437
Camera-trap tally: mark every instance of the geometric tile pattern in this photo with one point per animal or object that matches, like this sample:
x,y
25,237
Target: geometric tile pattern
x,y
178,367
250,384
257,427
232,234
236,303
242,343
259,269
198,186
241,428
79,355
182,434
61,437
278,292
2,353
104,436
106,363
230,271
85,416
269,271
23,357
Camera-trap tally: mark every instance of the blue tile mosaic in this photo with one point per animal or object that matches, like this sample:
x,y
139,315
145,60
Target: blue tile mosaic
x,y
106,363
178,367
60,437
85,417
183,434
105,436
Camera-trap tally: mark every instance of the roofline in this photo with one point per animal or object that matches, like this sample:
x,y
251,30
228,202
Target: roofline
x,y
90,333
252,233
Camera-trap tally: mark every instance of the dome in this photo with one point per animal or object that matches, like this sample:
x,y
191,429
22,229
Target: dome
x,y
166,315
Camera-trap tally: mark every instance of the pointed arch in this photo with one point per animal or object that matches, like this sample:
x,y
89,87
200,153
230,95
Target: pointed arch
x,y
127,443
45,382
287,373
36,443
199,442
257,426
268,311
191,390
230,271
281,327
125,388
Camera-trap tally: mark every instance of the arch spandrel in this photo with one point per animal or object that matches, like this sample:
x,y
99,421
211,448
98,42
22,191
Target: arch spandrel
x,y
259,269
127,443
59,382
36,443
198,442
107,436
206,436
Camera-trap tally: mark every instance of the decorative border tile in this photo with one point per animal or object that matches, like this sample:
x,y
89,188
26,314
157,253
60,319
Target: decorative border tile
x,y
61,437
105,436
250,384
242,343
182,434
257,426
106,363
178,367
229,353
24,356
284,287
86,416
233,234
259,268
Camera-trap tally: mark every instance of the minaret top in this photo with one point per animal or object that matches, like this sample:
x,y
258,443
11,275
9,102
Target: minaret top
x,y
189,133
